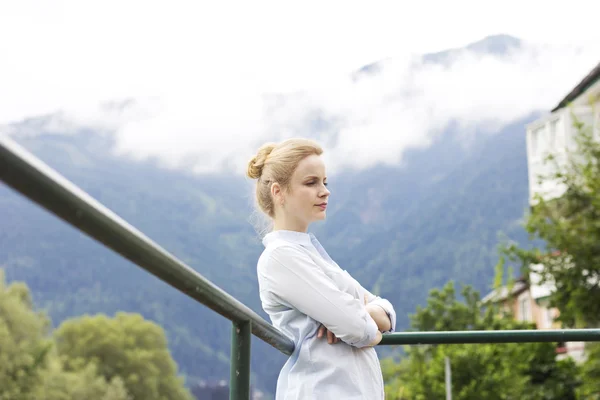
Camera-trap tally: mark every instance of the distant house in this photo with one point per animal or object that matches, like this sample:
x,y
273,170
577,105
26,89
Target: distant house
x,y
553,133
528,301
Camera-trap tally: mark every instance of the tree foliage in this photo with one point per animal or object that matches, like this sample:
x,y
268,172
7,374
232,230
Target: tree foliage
x,y
24,348
126,346
60,384
93,358
590,373
490,371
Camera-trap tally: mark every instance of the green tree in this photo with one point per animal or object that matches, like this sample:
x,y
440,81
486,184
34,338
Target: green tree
x,y
569,229
29,365
491,371
24,347
590,373
58,384
126,346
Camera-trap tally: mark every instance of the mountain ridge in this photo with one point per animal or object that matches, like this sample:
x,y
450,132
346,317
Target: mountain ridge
x,y
405,245
497,45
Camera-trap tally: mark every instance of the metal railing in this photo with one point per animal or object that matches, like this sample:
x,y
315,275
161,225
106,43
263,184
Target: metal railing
x,y
34,179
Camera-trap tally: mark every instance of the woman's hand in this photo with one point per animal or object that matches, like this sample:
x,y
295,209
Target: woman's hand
x,y
331,338
377,339
379,316
377,313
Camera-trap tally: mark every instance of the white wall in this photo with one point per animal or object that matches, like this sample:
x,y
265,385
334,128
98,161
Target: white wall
x,y
554,134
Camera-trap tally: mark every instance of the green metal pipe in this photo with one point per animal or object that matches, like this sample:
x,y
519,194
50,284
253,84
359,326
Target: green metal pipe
x,y
498,336
34,179
239,385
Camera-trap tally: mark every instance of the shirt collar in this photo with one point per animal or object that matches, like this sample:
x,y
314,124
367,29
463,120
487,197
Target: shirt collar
x,y
301,238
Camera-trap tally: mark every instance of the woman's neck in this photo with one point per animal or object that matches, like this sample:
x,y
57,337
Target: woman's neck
x,y
286,224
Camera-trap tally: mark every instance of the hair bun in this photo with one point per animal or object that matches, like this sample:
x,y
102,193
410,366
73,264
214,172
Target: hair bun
x,y
257,163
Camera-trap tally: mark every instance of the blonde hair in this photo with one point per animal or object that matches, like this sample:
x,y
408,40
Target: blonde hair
x,y
276,162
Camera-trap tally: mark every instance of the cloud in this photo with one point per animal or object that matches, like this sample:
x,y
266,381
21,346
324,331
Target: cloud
x,y
408,102
202,88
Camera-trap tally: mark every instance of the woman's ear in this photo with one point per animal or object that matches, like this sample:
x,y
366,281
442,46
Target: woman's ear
x,y
277,193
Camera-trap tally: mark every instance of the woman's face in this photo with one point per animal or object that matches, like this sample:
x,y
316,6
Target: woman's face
x,y
305,201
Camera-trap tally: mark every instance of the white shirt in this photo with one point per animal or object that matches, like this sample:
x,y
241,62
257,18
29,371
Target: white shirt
x,y
301,287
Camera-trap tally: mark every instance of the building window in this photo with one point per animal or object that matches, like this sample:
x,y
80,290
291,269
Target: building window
x,y
552,134
534,141
525,309
549,317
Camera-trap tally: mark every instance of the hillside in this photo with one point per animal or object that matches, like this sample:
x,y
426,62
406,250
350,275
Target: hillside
x,y
401,231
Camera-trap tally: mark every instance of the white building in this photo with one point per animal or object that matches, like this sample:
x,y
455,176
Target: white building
x,y
554,133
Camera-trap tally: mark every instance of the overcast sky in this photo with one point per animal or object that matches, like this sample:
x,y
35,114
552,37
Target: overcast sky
x,y
205,74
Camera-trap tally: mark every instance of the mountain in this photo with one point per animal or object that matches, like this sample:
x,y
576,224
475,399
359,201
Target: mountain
x,y
399,230
496,45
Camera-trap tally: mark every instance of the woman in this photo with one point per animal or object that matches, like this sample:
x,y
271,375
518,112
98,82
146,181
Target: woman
x,y
333,321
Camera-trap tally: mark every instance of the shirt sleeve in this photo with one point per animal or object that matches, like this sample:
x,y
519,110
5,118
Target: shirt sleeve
x,y
379,301
297,280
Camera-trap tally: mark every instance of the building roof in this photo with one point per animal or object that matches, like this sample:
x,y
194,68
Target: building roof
x,y
585,83
533,281
502,292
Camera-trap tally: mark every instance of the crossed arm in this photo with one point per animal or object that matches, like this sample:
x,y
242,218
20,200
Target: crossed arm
x,y
379,315
299,282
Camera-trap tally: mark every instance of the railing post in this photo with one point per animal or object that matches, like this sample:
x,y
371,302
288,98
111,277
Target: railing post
x,y
239,382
